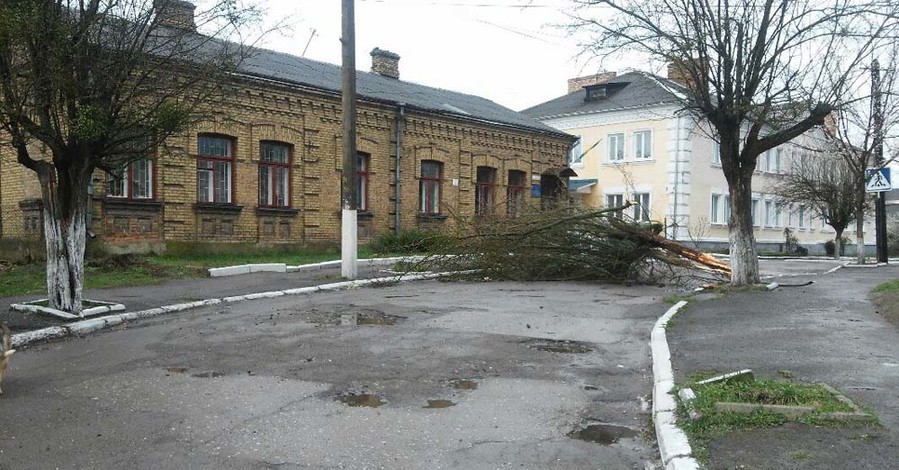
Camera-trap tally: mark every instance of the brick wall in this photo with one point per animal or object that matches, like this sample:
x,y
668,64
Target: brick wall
x,y
311,124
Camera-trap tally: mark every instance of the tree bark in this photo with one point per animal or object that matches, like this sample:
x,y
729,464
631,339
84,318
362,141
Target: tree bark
x,y
65,230
838,243
860,234
743,256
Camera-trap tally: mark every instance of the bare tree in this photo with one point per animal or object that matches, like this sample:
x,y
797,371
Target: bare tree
x,y
98,84
759,72
855,137
827,185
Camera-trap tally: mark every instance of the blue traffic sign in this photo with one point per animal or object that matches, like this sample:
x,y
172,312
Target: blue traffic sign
x,y
878,181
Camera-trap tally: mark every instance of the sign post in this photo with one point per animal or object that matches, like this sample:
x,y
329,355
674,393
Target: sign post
x,y
878,180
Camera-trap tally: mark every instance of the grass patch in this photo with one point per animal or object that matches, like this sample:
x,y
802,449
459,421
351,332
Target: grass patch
x,y
714,423
886,300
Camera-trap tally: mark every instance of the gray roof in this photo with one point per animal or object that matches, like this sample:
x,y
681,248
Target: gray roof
x,y
638,90
296,70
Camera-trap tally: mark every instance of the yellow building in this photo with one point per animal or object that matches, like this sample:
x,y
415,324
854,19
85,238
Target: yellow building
x,y
638,144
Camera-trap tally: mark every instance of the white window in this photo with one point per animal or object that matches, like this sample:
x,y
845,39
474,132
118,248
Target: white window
x,y
770,214
720,213
616,147
716,153
135,182
778,215
790,216
214,176
642,145
778,160
801,216
615,200
576,156
756,214
641,207
762,163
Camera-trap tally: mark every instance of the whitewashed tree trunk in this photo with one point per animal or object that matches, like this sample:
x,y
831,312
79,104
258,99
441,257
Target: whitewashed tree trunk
x,y
744,263
65,230
860,235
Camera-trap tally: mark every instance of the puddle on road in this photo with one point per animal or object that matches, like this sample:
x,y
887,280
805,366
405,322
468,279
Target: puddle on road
x,y
465,384
208,375
558,346
360,399
605,434
439,404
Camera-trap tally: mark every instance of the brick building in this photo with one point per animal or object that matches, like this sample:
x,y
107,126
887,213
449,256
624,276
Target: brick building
x,y
265,166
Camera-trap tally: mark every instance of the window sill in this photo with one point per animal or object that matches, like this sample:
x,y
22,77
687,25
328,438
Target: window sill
x,y
432,217
629,162
365,214
289,211
217,208
113,203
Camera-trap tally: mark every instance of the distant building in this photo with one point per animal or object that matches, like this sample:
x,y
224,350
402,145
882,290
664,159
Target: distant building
x,y
265,166
637,144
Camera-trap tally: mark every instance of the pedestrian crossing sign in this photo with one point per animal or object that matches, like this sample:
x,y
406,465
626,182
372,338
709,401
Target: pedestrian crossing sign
x,y
878,181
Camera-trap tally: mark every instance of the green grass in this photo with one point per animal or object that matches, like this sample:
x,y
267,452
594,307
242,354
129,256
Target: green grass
x,y
30,279
887,287
714,424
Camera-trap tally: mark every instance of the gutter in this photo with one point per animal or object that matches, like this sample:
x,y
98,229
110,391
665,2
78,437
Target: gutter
x,y
400,120
677,150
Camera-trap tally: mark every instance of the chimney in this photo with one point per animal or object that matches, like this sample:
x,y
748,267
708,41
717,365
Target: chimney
x,y
680,74
575,84
175,14
385,63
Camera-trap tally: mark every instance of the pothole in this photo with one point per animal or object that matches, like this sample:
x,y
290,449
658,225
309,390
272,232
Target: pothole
x,y
558,346
176,370
464,384
208,375
379,319
360,400
440,404
605,434
349,315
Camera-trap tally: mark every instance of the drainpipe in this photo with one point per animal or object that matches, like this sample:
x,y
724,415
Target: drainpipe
x,y
400,118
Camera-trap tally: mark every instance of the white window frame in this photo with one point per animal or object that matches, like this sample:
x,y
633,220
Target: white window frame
x,y
616,138
576,155
770,213
720,215
642,148
716,153
756,211
642,202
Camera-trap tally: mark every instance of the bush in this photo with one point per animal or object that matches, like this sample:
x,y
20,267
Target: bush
x,y
409,242
830,247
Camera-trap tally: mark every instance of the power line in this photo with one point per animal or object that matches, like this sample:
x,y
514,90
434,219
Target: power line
x,y
475,5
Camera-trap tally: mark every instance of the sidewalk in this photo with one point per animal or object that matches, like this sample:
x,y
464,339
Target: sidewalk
x,y
825,332
192,289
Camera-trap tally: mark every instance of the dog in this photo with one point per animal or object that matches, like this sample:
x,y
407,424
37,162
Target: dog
x,y
6,351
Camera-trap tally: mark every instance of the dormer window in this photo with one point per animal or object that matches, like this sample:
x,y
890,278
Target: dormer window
x,y
602,91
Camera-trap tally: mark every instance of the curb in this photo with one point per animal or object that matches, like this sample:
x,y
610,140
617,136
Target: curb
x,y
674,447
95,324
284,268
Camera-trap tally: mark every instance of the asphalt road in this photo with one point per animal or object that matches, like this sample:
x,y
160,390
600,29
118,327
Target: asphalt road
x,y
824,332
259,384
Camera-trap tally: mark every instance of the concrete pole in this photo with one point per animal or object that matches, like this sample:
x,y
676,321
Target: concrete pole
x,y
348,227
880,216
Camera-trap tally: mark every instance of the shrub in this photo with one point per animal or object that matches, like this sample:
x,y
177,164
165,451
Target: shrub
x,y
409,242
830,247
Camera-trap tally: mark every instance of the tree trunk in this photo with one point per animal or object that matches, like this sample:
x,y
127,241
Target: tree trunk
x,y
838,244
860,234
65,230
744,261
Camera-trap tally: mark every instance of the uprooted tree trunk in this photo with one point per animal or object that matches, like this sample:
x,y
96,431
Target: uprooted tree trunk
x,y
65,200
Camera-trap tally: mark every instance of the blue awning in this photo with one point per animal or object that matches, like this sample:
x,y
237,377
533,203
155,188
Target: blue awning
x,y
582,186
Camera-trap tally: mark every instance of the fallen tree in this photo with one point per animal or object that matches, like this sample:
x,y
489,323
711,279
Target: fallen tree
x,y
572,243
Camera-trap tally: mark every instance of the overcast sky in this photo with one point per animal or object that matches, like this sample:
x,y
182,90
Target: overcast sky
x,y
496,49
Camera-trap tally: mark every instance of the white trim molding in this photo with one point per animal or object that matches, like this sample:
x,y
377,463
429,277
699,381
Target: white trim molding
x,y
680,152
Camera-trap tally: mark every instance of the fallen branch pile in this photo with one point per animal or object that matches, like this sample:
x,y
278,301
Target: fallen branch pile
x,y
570,243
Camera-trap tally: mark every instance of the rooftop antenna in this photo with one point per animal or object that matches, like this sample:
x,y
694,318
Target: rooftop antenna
x,y
312,35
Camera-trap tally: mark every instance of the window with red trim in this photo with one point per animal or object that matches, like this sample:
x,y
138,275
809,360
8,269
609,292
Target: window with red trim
x,y
430,187
215,169
274,174
135,181
362,160
485,191
515,193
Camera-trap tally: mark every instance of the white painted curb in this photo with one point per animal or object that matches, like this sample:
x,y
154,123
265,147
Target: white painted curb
x,y
95,324
673,444
284,268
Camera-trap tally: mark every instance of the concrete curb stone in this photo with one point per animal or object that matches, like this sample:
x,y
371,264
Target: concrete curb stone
x,y
674,447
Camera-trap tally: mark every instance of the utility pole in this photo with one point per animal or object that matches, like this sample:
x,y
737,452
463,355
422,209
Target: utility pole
x,y
880,214
348,227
